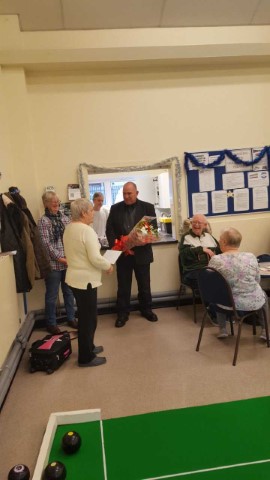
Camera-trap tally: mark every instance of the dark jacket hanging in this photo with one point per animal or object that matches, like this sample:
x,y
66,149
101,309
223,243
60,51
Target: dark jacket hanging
x,y
11,231
42,261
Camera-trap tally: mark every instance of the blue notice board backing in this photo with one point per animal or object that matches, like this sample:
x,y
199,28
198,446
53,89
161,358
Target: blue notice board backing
x,y
228,182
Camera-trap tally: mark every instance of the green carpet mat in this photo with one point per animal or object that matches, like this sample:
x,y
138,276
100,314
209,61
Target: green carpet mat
x,y
169,443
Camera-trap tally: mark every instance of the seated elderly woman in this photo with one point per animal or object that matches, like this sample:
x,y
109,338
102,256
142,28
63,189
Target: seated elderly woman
x,y
241,270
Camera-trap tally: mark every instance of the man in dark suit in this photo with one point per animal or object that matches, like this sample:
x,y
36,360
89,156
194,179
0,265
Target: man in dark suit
x,y
122,218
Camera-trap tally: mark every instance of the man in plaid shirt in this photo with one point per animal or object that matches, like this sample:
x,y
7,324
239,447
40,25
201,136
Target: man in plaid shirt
x,y
51,227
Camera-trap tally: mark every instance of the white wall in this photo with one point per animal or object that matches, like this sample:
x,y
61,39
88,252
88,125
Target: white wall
x,y
141,117
59,118
9,311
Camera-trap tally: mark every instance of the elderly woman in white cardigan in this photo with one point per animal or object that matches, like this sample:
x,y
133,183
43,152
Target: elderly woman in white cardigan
x,y
85,265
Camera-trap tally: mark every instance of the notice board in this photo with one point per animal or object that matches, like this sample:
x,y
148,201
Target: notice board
x,y
228,182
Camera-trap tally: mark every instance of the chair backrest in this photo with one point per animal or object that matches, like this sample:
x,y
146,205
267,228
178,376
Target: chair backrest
x,y
265,257
214,288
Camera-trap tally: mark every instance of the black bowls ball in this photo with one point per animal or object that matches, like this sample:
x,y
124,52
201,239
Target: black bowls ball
x,y
55,471
19,472
71,442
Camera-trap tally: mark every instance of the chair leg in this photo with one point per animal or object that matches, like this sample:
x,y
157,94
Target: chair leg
x,y
231,325
178,299
266,328
254,330
181,289
194,306
237,342
201,332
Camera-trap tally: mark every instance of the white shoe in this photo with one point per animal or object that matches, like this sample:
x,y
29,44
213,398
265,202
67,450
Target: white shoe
x,y
263,335
223,333
214,321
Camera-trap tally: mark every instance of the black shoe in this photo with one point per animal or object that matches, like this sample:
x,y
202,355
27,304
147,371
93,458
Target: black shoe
x,y
73,324
151,316
121,321
53,329
94,363
98,349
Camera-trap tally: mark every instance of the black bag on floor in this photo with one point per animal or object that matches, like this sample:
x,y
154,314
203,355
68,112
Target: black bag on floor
x,y
50,352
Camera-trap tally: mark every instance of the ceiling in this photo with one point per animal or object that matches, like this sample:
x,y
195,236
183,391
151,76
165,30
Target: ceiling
x,y
42,15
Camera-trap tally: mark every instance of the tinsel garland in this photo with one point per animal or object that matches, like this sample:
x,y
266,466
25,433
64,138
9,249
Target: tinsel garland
x,y
189,157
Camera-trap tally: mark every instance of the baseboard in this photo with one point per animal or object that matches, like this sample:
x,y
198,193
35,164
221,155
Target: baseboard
x,y
11,363
106,306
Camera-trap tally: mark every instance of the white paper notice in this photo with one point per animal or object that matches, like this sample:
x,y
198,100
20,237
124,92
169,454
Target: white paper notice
x,y
258,179
241,199
202,158
213,158
74,193
219,201
263,163
233,180
200,203
260,198
244,155
207,180
112,255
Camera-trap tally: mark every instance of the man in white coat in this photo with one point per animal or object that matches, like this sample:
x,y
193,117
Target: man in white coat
x,y
100,216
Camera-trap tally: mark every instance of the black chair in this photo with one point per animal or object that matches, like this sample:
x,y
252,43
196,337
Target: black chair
x,y
265,257
182,290
216,291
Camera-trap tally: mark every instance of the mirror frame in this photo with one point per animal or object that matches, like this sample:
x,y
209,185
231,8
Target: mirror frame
x,y
172,164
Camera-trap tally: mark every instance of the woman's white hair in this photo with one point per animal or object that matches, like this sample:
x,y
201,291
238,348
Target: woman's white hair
x,y
231,236
47,198
79,207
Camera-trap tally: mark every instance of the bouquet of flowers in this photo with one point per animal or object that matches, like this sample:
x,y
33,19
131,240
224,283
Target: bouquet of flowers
x,y
145,231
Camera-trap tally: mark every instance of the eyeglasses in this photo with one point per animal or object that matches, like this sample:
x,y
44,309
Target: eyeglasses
x,y
198,223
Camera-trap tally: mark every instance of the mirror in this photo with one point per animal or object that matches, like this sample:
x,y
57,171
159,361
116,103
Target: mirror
x,y
172,165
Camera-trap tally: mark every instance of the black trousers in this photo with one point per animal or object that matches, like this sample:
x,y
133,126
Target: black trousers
x,y
86,301
191,278
125,267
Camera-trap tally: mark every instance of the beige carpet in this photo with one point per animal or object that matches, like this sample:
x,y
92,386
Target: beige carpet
x,y
150,367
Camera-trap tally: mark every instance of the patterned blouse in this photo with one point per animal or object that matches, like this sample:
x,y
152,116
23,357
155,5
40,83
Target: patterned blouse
x,y
55,248
242,273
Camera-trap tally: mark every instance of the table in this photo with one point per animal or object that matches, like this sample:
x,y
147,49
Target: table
x,y
264,268
226,441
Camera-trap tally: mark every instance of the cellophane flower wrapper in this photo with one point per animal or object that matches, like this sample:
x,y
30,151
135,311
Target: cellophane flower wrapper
x,y
144,232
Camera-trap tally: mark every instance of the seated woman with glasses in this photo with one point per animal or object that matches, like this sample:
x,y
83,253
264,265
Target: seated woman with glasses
x,y
196,247
241,271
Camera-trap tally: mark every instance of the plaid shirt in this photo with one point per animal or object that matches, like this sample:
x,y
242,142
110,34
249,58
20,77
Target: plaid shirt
x,y
54,248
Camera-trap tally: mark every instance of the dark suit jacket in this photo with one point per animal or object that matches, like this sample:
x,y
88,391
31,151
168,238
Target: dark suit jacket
x,y
114,228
